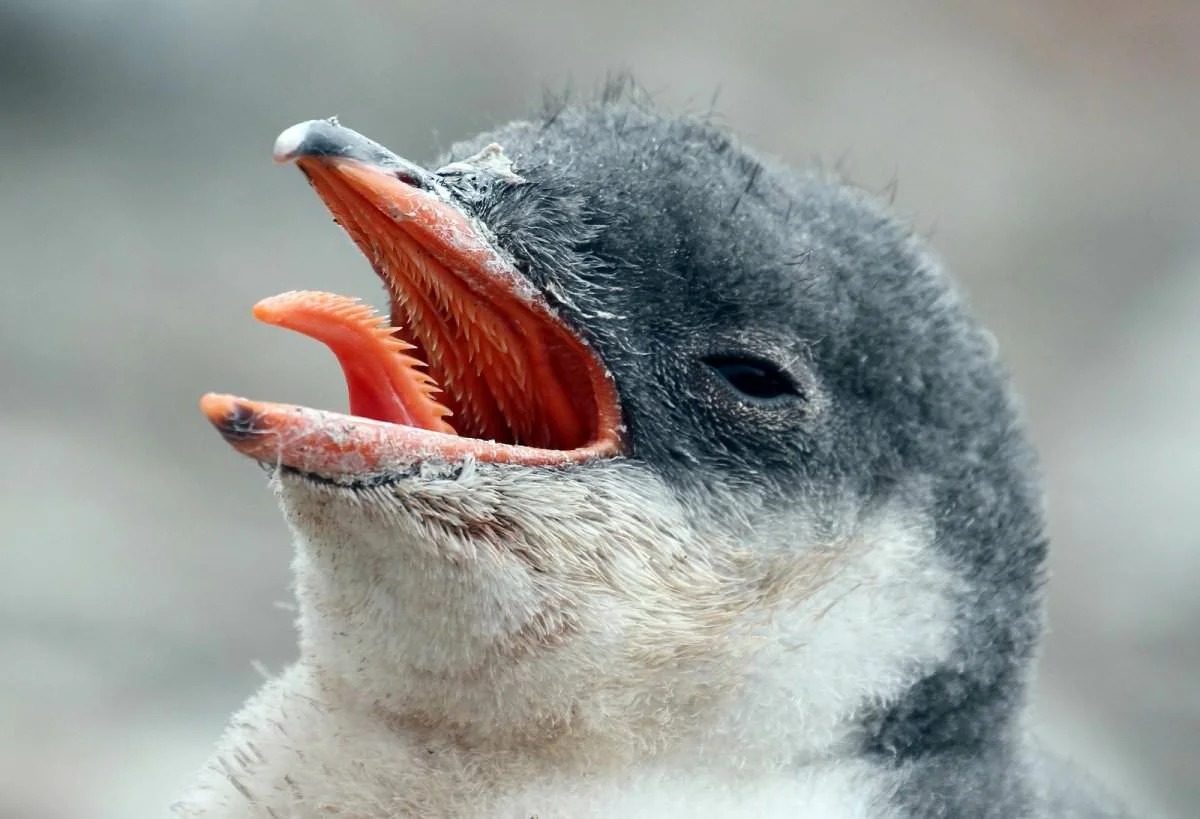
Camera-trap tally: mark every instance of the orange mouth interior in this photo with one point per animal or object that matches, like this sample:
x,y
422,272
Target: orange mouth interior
x,y
470,355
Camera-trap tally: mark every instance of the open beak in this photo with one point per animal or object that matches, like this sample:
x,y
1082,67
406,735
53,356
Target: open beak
x,y
471,361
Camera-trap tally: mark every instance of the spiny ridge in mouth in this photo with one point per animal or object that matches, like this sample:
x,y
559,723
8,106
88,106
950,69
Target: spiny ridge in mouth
x,y
488,350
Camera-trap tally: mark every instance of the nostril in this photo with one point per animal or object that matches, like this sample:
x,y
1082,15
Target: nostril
x,y
413,178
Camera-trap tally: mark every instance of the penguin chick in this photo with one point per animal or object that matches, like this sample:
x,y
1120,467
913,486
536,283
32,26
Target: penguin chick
x,y
674,483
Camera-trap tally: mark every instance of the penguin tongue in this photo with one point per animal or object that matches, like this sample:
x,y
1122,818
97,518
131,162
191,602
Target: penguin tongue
x,y
384,383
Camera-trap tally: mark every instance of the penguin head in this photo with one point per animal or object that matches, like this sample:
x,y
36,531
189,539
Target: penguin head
x,y
685,435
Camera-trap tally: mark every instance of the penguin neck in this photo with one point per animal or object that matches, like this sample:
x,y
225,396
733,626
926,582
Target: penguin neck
x,y
475,648
491,663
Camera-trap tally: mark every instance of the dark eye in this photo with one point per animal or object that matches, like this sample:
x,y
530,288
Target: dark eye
x,y
754,378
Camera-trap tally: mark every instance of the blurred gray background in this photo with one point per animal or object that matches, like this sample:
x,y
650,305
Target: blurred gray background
x,y
1048,147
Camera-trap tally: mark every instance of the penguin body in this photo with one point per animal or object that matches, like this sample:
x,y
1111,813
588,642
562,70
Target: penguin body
x,y
734,514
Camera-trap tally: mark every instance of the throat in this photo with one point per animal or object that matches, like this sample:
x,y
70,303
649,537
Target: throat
x,y
585,612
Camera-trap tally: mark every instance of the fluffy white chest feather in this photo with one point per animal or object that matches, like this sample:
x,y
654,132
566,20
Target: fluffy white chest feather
x,y
289,757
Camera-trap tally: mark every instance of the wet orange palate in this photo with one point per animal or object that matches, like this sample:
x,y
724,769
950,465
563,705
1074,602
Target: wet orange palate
x,y
489,351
